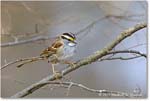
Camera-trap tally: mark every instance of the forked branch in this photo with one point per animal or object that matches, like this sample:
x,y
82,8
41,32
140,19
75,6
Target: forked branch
x,y
88,60
102,93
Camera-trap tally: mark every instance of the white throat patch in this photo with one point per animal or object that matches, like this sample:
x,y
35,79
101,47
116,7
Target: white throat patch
x,y
71,44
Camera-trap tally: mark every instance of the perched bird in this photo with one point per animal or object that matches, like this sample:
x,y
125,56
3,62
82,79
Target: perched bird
x,y
64,46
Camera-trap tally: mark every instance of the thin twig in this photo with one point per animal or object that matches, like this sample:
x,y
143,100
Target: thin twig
x,y
127,51
123,58
81,63
142,44
90,25
119,58
31,59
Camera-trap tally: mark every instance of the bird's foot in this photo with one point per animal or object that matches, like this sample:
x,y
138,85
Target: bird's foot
x,y
57,75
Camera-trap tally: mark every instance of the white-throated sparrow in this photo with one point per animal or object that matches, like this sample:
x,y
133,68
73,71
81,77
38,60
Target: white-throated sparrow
x,y
63,47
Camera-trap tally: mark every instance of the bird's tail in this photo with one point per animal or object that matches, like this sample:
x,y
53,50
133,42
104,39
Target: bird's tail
x,y
30,60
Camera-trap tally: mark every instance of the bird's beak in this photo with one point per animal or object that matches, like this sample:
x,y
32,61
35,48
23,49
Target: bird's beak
x,y
74,42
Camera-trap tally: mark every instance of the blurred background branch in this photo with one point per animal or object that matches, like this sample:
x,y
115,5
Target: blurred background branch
x,y
88,27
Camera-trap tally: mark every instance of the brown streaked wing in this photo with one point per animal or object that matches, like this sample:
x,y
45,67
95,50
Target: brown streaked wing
x,y
53,48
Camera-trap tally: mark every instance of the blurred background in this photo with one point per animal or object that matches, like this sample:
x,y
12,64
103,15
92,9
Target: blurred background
x,y
27,20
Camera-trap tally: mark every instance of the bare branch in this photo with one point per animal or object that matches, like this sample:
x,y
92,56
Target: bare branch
x,y
88,60
123,58
101,93
120,58
24,60
127,51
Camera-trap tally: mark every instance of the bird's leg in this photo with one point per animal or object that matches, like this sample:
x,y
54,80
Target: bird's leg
x,y
56,73
53,61
53,69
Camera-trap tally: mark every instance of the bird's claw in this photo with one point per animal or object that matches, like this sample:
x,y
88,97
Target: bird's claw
x,y
72,65
57,75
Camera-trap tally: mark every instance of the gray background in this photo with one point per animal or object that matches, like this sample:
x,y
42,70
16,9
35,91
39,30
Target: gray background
x,y
56,17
